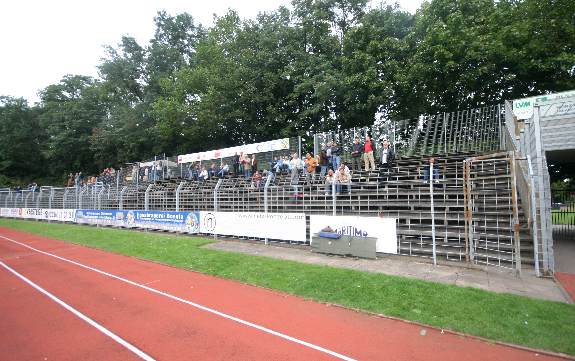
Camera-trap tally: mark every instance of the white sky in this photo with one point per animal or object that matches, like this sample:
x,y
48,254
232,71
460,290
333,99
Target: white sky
x,y
43,40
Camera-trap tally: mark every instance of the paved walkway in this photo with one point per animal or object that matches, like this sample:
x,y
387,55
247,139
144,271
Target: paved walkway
x,y
491,279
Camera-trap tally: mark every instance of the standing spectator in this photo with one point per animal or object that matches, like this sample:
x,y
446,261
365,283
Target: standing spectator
x,y
323,163
70,182
435,171
242,163
387,156
254,164
329,181
248,167
236,164
343,177
368,151
335,155
328,154
310,165
212,171
356,154
295,167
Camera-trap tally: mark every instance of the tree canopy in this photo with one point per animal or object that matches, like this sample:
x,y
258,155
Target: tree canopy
x,y
321,65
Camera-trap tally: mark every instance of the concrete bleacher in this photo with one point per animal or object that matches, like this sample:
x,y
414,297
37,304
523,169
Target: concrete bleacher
x,y
400,193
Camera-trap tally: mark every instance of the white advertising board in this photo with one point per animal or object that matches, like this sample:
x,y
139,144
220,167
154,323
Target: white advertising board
x,y
384,229
61,215
523,108
11,212
269,146
284,226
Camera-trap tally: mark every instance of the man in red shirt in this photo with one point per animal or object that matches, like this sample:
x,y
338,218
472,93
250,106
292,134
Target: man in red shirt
x,y
368,151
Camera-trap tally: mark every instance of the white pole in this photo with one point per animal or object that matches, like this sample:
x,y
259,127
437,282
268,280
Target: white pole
x,y
431,180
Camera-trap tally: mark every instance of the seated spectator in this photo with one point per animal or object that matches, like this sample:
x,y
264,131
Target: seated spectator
x,y
257,180
329,181
212,171
356,154
224,171
203,176
343,177
431,162
310,165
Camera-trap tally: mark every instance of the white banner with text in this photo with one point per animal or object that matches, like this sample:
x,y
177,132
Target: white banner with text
x,y
284,226
384,229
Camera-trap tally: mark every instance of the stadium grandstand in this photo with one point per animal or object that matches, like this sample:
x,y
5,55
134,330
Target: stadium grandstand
x,y
485,199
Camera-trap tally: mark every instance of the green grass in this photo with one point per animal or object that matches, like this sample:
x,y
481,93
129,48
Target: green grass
x,y
530,322
561,217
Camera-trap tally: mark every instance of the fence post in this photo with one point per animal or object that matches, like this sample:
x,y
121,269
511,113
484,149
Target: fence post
x,y
216,188
516,225
51,198
469,255
431,180
178,190
38,199
121,202
333,198
533,216
100,193
147,197
266,186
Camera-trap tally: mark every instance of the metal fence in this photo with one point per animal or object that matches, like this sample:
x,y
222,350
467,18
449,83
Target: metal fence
x,y
563,214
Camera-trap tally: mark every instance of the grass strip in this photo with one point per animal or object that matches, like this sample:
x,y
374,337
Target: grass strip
x,y
535,323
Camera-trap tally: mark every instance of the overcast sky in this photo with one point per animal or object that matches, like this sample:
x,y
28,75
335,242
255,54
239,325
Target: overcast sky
x,y
43,40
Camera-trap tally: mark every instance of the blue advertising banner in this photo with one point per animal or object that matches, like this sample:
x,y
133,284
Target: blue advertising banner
x,y
186,222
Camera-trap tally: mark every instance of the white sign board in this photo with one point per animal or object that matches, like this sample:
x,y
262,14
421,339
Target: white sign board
x,y
523,108
284,226
384,229
11,212
61,215
269,146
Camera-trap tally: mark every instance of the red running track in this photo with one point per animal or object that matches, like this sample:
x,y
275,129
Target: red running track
x,y
268,326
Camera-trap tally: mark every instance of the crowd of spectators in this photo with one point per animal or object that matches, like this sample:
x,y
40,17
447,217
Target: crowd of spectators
x,y
106,177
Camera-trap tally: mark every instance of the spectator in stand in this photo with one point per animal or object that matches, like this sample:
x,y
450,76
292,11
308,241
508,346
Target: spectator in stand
x,y
343,177
70,182
248,167
254,164
203,176
335,155
212,171
295,167
224,170
135,174
257,180
236,164
32,186
387,156
275,165
310,165
329,181
323,163
368,151
327,148
285,164
242,164
356,154
426,172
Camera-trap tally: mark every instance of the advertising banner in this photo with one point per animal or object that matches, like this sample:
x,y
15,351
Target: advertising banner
x,y
61,215
185,222
384,229
269,146
523,108
284,226
11,212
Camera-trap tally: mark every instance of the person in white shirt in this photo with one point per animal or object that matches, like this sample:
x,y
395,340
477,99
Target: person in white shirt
x,y
203,174
329,180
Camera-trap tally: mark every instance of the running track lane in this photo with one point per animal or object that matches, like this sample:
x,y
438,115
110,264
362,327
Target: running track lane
x,y
170,330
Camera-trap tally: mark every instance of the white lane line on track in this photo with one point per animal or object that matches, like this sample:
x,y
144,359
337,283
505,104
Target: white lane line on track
x,y
91,322
193,304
